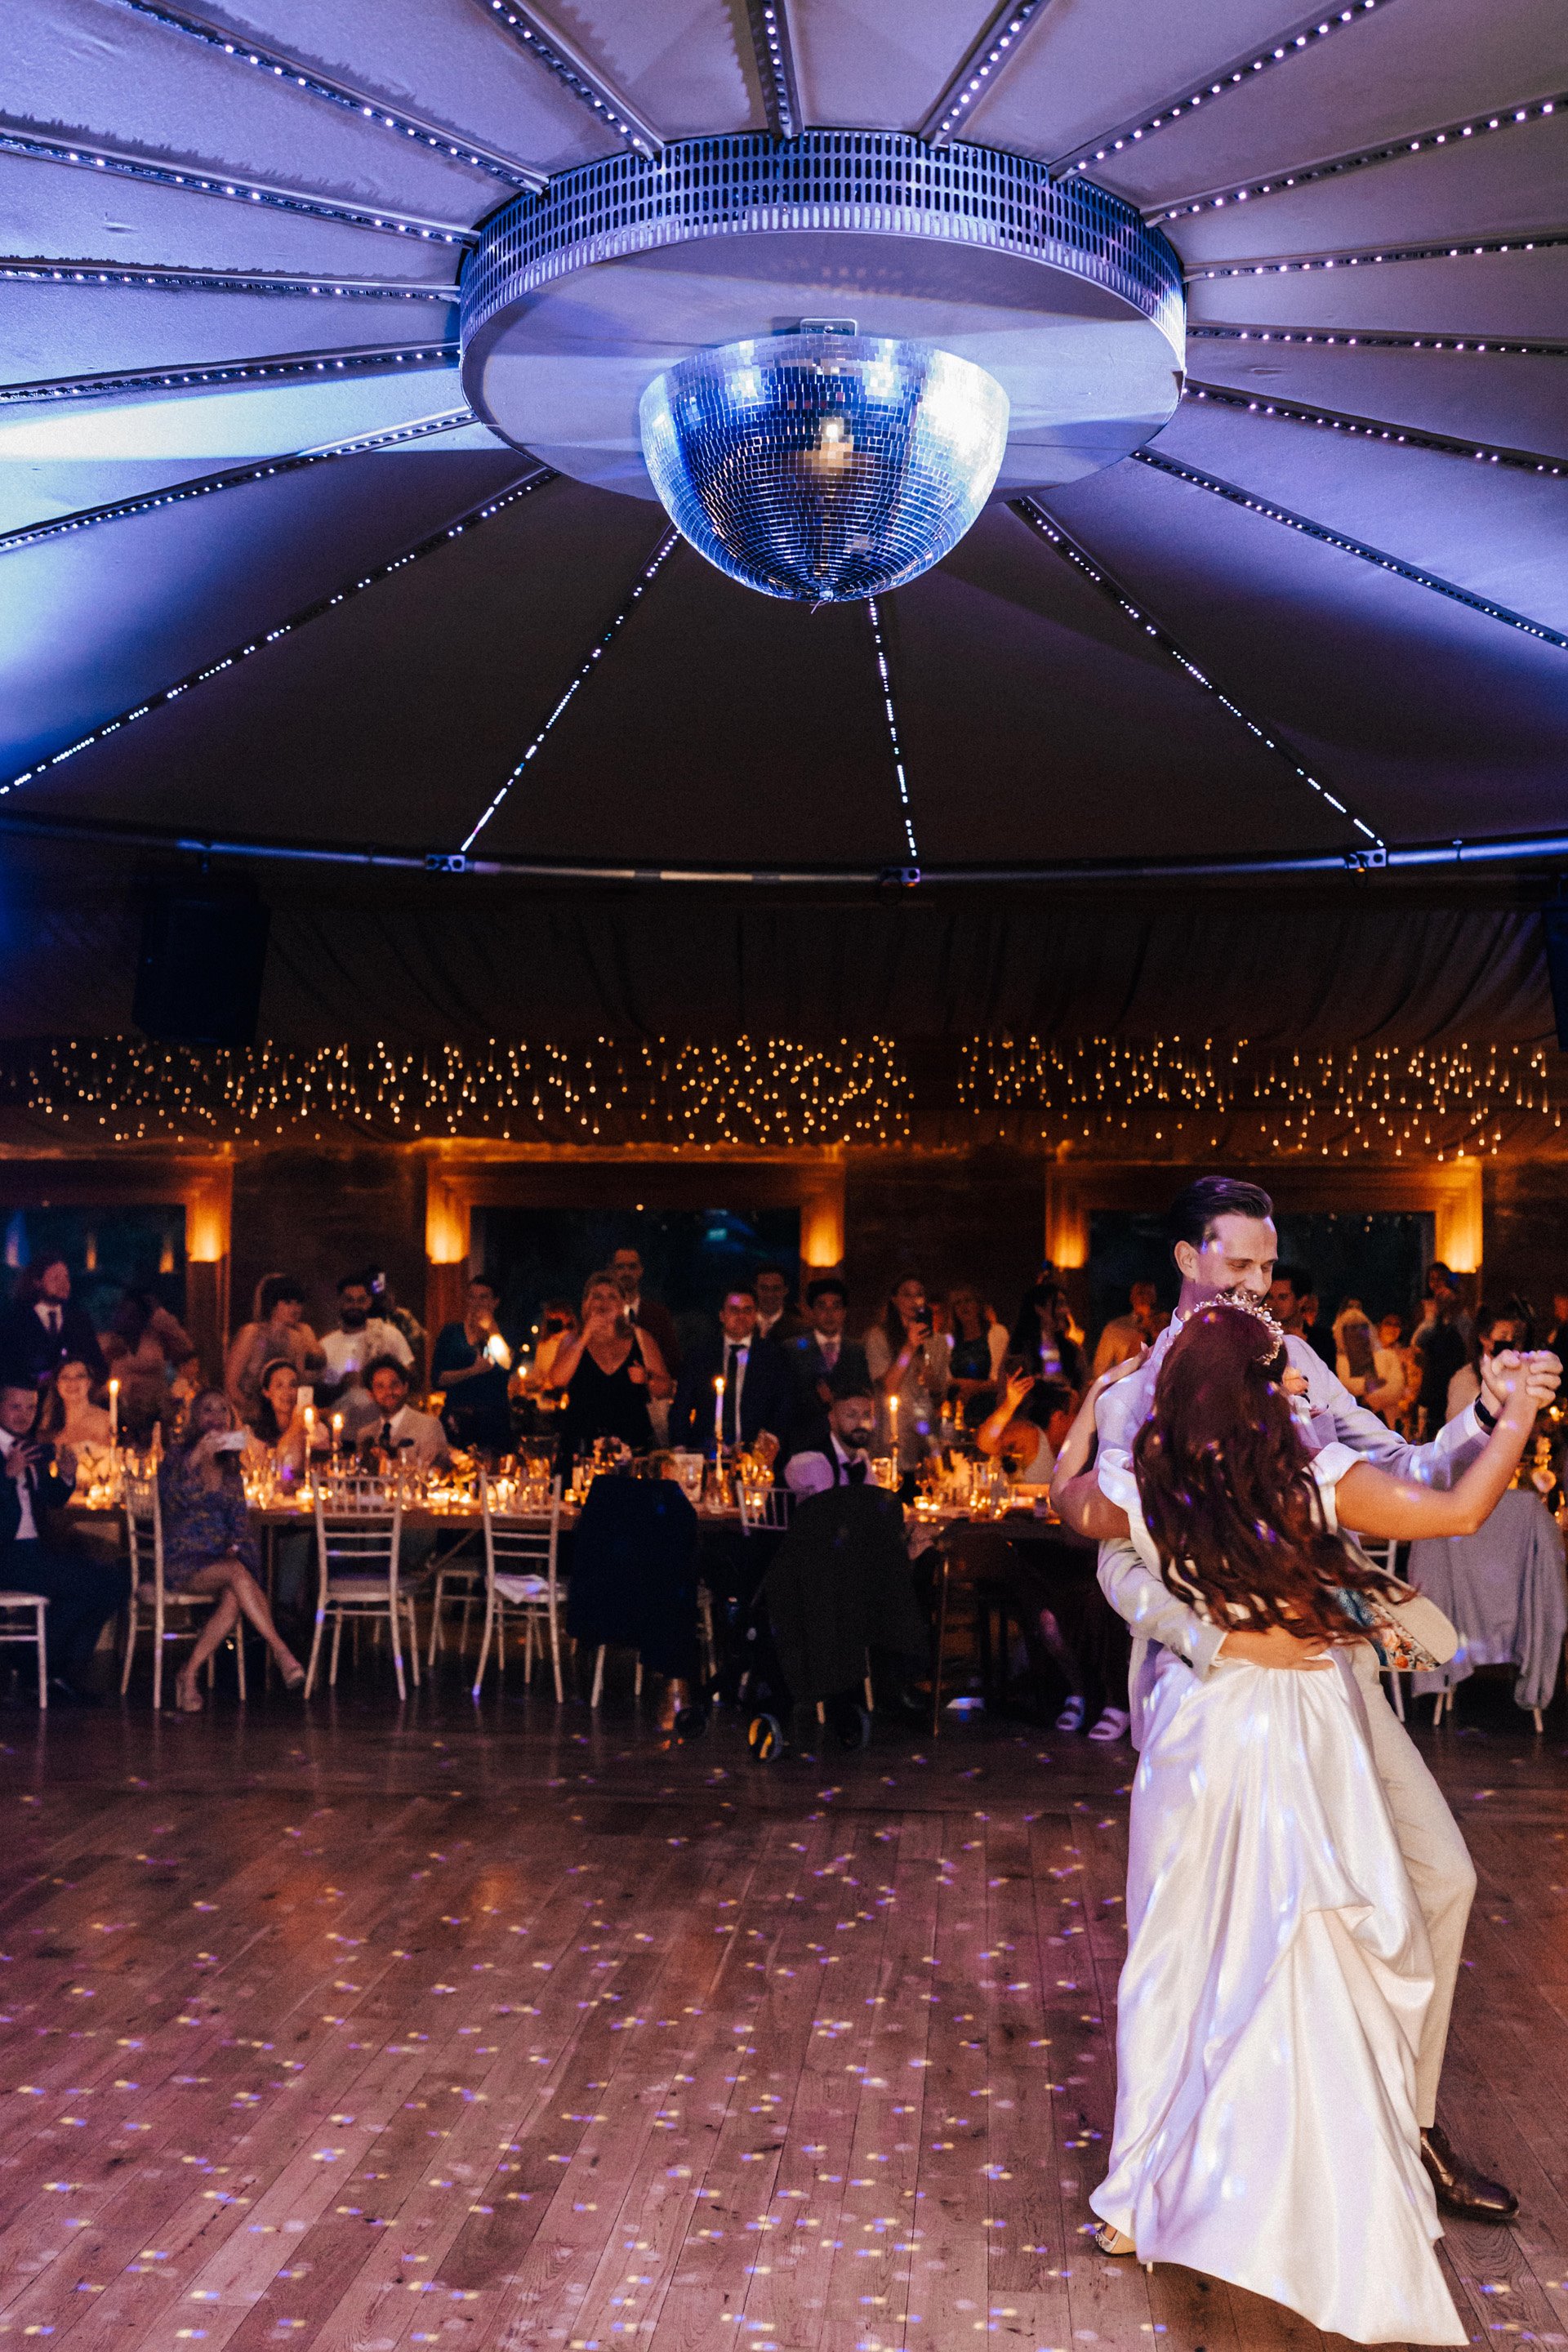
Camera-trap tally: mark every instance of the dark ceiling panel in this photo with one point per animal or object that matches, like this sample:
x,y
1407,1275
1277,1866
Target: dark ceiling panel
x,y
1519,403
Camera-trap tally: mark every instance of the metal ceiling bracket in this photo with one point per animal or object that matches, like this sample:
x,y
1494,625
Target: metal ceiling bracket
x,y
572,69
1375,428
768,23
17,272
292,367
981,71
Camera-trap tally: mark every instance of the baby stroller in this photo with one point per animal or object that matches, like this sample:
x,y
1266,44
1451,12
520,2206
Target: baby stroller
x,y
838,1590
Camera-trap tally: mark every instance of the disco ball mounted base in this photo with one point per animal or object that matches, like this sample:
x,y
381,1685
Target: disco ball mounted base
x,y
646,325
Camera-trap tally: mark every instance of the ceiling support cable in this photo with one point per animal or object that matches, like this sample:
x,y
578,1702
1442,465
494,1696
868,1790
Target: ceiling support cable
x,y
468,521
645,581
1030,511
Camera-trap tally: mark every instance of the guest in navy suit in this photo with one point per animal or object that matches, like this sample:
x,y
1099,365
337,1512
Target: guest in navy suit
x,y
36,1483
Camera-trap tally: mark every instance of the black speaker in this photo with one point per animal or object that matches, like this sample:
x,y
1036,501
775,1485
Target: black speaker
x,y
203,949
1555,923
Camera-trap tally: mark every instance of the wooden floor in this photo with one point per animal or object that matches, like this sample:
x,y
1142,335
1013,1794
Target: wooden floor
x,y
516,2028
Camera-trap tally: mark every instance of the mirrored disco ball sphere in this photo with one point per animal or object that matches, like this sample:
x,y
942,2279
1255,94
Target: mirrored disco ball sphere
x,y
821,466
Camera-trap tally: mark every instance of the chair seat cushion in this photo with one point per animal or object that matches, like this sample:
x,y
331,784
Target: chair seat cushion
x,y
360,1588
521,1589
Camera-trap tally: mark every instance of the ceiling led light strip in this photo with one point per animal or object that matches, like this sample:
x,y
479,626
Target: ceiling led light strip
x,y
216,281
432,545
1299,263
980,71
309,78
1371,429
1328,538
1039,521
573,72
301,366
650,572
1213,199
248,192
768,24
1380,339
1235,76
233,477
885,676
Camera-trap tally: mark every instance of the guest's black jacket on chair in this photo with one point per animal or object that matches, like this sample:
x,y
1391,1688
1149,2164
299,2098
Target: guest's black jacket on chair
x,y
767,1395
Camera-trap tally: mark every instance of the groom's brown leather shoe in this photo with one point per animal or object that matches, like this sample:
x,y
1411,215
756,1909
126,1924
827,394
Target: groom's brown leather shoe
x,y
1467,2194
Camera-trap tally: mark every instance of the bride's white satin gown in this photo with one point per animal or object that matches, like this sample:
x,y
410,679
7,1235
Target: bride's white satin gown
x,y
1277,1974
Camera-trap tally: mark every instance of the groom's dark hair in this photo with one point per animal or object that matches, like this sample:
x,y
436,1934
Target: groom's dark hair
x,y
1191,1215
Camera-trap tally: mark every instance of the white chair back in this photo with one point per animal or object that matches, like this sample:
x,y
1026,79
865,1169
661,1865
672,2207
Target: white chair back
x,y
144,1532
357,1543
771,1512
520,1575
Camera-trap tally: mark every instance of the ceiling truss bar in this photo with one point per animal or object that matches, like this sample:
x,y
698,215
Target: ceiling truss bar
x,y
1375,428
1232,491
981,69
468,521
557,54
885,676
232,478
1030,511
1392,150
1302,38
768,23
35,147
1296,264
292,367
1379,339
18,272
1498,850
292,74
645,581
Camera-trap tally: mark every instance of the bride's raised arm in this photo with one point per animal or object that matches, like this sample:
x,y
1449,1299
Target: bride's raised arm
x,y
1371,1502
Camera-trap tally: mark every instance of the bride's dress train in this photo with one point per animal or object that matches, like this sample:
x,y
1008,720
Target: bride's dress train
x,y
1277,1976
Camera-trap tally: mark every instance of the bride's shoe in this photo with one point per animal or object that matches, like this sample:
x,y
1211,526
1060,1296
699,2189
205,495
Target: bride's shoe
x,y
1111,2241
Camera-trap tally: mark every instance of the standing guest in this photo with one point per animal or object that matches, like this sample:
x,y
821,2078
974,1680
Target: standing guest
x,y
1396,1366
821,1349
841,1456
758,1400
1042,1337
385,1307
647,1313
604,1371
557,1322
1442,1344
908,1358
70,1416
1495,1328
979,1343
399,1432
1026,1429
277,1327
1293,1303
208,1546
776,1318
1124,1335
44,1326
361,1334
141,1347
469,1362
1367,1370
1558,1340
279,1429
36,1483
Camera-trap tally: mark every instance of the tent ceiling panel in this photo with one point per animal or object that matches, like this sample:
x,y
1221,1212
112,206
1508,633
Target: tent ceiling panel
x,y
1519,401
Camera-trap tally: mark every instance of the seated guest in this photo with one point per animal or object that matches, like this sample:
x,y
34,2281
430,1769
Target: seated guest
x,y
647,1313
360,1335
1042,1337
208,1546
840,1458
142,1346
1027,1427
278,1429
776,1318
44,1327
605,1371
70,1418
277,1327
469,1362
979,1343
821,1349
1495,1327
908,1358
758,1400
1124,1335
36,1485
399,1432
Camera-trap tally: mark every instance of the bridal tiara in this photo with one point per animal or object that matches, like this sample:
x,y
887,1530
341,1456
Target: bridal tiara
x,y
1252,1306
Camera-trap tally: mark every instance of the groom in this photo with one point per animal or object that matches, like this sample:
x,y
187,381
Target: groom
x,y
1222,1239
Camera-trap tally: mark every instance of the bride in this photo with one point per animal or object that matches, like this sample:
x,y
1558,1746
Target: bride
x,y
1277,1968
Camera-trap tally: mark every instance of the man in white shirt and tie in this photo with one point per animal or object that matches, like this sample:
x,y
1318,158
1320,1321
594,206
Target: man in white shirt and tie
x,y
758,1401
844,1459
821,1349
399,1432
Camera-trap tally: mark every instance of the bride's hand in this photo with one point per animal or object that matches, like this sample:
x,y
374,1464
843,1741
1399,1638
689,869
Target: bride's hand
x,y
1274,1646
1121,1372
1502,1376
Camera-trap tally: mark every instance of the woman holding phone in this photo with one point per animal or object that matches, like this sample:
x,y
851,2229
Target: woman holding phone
x,y
208,1546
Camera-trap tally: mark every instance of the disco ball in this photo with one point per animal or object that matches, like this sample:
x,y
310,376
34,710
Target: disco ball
x,y
824,466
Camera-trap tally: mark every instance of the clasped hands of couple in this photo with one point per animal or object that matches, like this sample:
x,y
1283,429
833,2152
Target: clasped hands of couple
x,y
1515,1387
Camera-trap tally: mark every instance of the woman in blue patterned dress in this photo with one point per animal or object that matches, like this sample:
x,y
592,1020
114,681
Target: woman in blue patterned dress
x,y
208,1546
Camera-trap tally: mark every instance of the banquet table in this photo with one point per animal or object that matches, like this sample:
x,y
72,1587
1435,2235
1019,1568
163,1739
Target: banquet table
x,y
1503,1589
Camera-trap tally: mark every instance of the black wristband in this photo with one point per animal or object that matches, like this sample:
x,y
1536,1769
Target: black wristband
x,y
1484,1414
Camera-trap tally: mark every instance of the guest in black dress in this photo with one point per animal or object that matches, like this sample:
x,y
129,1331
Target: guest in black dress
x,y
608,1370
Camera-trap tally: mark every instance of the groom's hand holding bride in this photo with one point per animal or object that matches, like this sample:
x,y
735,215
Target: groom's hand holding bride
x,y
1500,1376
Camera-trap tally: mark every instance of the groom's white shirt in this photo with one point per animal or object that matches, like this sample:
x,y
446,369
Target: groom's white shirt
x,y
1158,1618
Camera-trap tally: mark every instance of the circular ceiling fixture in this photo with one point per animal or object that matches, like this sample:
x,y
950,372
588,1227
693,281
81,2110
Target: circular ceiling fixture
x,y
824,466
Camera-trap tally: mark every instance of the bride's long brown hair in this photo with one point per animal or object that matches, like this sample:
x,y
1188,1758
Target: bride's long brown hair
x,y
1227,1492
